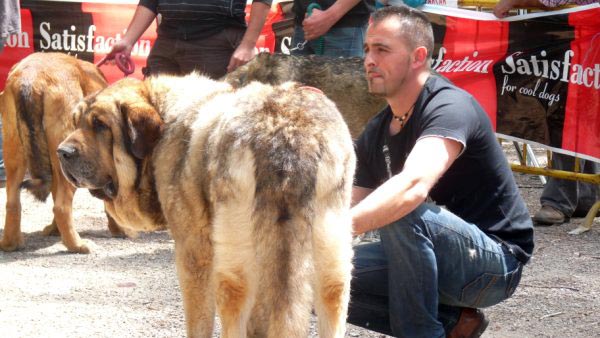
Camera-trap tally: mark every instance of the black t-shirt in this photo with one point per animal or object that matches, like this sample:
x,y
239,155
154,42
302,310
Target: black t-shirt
x,y
479,187
194,19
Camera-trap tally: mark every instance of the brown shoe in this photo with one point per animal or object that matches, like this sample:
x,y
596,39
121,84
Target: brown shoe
x,y
471,324
548,215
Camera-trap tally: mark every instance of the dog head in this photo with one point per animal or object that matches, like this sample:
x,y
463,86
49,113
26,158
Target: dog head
x,y
116,130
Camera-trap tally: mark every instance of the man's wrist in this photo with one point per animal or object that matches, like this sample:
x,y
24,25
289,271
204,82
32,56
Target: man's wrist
x,y
247,44
357,226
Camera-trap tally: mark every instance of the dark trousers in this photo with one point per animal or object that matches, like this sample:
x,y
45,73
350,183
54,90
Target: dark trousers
x,y
209,56
572,198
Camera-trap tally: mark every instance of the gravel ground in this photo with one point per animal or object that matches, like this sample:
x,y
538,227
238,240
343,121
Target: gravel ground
x,y
128,287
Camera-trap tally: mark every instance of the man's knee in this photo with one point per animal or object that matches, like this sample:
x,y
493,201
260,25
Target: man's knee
x,y
414,221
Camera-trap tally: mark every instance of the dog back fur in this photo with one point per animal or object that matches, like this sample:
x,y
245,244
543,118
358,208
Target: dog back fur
x,y
341,79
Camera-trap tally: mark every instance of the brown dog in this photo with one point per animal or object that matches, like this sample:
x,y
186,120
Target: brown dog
x,y
341,79
254,185
40,94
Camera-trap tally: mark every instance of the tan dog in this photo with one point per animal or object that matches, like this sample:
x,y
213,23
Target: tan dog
x,y
40,94
254,185
342,79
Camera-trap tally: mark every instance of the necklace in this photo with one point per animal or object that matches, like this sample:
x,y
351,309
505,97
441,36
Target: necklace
x,y
402,118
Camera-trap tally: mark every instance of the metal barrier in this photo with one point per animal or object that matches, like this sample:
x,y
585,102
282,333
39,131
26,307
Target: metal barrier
x,y
574,175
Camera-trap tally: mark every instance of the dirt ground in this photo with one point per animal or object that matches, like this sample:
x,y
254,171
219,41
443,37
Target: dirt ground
x,y
128,287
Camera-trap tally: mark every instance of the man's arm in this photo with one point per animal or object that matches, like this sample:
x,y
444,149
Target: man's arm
x,y
320,22
427,162
245,51
142,18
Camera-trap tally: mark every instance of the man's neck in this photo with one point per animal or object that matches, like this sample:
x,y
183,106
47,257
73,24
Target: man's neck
x,y
402,101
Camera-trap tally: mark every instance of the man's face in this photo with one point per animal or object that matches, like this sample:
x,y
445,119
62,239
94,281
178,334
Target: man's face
x,y
387,58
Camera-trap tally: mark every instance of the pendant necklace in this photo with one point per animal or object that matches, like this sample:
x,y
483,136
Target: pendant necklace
x,y
386,140
402,118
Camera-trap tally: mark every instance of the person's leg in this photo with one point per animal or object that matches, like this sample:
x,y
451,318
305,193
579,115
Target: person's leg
x,y
162,58
211,55
434,257
345,41
559,194
587,193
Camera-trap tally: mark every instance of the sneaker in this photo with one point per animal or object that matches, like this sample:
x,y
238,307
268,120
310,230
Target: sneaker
x,y
548,215
471,324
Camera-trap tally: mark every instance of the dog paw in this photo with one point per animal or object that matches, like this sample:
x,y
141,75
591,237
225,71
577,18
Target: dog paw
x,y
115,230
84,248
9,246
51,230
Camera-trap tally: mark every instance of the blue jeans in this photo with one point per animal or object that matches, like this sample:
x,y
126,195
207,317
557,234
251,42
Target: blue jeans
x,y
426,268
342,41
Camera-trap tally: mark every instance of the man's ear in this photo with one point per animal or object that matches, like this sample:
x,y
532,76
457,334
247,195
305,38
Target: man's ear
x,y
143,128
420,56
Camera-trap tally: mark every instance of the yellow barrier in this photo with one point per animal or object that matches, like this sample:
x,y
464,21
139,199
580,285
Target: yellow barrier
x,y
566,175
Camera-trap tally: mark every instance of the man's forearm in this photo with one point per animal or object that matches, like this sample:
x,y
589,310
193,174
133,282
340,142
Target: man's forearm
x,y
258,15
340,8
391,201
142,19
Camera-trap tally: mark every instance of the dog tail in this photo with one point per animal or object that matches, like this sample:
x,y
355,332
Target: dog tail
x,y
32,134
284,212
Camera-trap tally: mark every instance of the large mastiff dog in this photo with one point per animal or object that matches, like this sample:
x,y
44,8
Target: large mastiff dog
x,y
342,79
41,92
254,185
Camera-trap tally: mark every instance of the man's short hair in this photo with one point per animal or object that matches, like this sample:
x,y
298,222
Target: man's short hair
x,y
415,25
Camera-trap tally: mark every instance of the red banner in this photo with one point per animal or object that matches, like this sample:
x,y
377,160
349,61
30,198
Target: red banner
x,y
537,75
88,30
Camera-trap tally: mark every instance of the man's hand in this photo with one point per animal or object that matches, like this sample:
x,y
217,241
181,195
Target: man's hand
x,y
503,7
120,46
240,56
245,51
317,24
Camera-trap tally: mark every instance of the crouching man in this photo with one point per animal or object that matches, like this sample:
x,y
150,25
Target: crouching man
x,y
432,178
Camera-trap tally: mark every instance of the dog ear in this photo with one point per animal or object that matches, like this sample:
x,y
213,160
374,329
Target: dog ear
x,y
77,111
144,128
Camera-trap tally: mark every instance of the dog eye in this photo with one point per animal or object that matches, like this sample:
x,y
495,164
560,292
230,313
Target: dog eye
x,y
98,125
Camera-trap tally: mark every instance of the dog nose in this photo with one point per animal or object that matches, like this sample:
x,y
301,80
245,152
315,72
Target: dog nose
x,y
66,152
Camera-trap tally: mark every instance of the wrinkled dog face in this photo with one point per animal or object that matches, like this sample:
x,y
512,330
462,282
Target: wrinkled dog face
x,y
85,155
113,131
